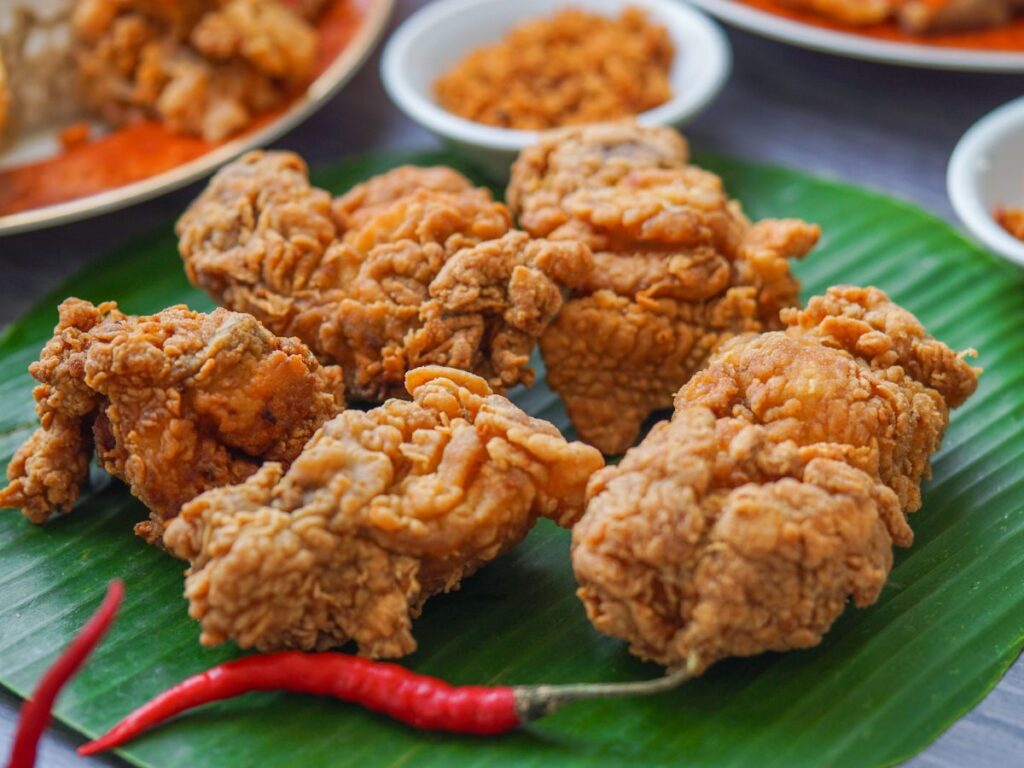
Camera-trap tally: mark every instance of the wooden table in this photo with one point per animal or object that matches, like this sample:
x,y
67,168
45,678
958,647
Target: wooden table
x,y
884,127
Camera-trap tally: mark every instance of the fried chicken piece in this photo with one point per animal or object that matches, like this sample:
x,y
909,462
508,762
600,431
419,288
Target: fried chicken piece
x,y
204,67
364,201
380,511
414,267
857,13
174,404
776,492
917,16
268,35
5,97
678,269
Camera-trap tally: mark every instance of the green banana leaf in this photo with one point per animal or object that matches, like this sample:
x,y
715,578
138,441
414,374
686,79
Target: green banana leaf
x,y
884,683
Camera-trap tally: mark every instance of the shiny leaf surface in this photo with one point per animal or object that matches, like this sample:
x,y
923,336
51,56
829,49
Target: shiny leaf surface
x,y
886,681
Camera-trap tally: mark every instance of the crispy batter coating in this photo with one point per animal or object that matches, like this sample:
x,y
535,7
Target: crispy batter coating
x,y
364,201
380,511
678,269
777,490
174,404
414,267
203,67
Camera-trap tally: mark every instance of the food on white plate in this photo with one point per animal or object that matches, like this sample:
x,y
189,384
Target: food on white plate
x,y
916,16
573,67
36,79
203,67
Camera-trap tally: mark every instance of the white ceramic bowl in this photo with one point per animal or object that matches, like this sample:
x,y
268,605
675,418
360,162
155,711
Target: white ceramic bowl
x,y
986,171
436,37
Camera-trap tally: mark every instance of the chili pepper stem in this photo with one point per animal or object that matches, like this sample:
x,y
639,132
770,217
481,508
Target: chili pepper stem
x,y
536,701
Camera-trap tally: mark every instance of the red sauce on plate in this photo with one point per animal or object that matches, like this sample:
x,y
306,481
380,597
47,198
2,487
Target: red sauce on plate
x,y
1006,38
145,148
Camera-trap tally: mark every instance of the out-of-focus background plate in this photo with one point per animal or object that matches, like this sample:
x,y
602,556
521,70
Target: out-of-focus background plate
x,y
348,32
885,44
883,684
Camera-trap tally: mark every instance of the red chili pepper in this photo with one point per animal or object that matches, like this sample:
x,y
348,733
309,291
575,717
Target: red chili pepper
x,y
417,700
37,711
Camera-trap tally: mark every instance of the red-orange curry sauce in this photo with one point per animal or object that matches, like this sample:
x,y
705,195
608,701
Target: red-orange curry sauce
x,y
1005,38
145,148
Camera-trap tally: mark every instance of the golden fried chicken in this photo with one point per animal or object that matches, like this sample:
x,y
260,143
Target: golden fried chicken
x,y
918,16
776,492
854,12
364,201
924,16
173,404
5,97
380,511
678,269
414,267
203,67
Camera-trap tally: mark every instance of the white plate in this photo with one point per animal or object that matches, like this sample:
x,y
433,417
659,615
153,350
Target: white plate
x,y
986,171
860,46
320,90
437,36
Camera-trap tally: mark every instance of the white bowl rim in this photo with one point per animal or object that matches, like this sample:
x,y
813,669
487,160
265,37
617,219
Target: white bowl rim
x,y
960,174
429,114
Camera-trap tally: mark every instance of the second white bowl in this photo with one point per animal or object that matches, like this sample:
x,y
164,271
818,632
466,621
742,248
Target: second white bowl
x,y
986,171
435,38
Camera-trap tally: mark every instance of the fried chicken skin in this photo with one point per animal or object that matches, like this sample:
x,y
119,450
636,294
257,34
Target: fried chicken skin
x,y
678,269
414,267
917,16
381,510
173,404
857,13
203,67
776,492
5,98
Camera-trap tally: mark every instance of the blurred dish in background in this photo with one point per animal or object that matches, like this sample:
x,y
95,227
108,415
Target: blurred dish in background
x,y
985,179
916,17
115,106
434,40
966,35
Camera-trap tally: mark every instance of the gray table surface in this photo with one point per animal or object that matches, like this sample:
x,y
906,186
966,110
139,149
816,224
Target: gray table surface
x,y
884,127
